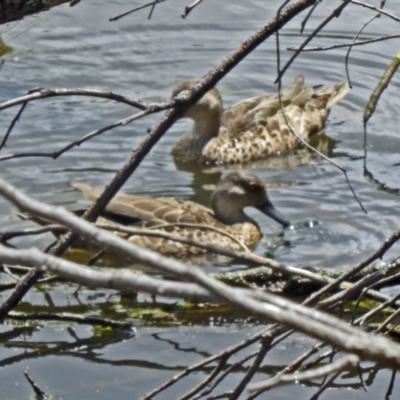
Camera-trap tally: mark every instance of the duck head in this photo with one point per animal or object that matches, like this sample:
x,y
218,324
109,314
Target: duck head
x,y
238,190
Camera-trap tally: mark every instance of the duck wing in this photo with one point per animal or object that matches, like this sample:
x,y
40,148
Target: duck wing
x,y
149,211
257,128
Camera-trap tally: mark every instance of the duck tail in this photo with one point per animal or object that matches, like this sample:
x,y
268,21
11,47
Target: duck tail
x,y
91,193
336,93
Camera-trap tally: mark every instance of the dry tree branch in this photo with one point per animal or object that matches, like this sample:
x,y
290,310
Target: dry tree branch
x,y
328,303
226,353
346,62
41,93
308,16
379,253
355,39
273,330
362,320
212,385
382,85
189,8
12,124
266,333
69,317
387,321
39,392
176,238
152,5
298,361
390,386
214,373
266,341
372,103
8,235
338,46
388,270
325,370
379,10
121,280
386,281
327,382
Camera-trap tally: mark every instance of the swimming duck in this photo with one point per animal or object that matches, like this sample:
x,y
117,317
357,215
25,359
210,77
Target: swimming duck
x,y
254,128
225,224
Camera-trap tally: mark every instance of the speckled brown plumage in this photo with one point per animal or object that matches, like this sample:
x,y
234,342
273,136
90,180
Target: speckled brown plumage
x,y
254,128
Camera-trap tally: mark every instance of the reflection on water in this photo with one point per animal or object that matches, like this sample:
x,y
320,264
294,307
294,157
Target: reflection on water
x,y
144,59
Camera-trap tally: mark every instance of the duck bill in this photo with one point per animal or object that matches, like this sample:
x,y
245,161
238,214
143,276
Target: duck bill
x,y
268,209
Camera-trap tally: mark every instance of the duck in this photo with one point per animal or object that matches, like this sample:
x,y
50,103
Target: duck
x,y
254,128
224,225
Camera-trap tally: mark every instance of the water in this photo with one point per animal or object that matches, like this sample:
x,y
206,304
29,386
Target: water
x,y
144,59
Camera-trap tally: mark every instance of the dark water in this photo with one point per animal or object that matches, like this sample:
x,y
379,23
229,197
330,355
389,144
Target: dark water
x,y
141,58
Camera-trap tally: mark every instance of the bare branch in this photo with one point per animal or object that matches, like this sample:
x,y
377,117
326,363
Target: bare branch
x,y
346,63
379,10
13,122
40,93
374,256
152,4
338,46
339,365
190,7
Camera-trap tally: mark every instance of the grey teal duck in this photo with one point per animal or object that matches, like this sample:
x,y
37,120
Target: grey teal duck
x,y
225,224
254,128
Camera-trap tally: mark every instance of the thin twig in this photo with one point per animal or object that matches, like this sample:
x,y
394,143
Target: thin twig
x,y
335,13
42,93
266,341
379,253
338,365
152,4
346,63
362,320
338,46
379,10
190,7
13,122
391,385
39,392
151,232
326,384
153,8
219,367
305,20
68,317
5,236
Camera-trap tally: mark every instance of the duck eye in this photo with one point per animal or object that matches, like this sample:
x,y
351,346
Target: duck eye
x,y
253,187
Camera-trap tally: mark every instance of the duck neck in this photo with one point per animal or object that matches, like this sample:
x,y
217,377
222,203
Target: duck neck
x,y
206,126
229,215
